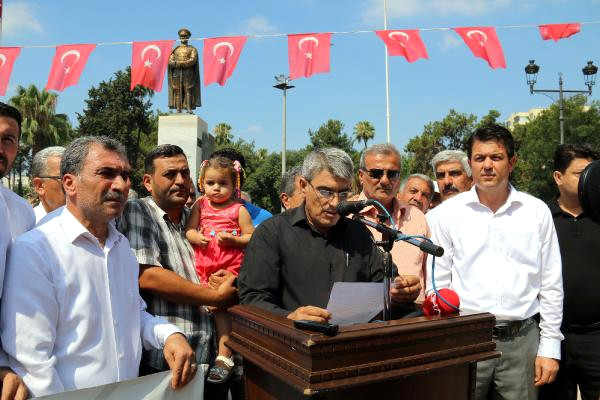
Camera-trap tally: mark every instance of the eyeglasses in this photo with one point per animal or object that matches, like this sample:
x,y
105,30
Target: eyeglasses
x,y
57,177
377,173
328,194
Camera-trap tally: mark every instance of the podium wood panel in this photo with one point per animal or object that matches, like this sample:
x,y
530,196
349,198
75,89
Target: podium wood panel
x,y
412,357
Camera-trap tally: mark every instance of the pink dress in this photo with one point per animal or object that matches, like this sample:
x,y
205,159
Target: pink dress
x,y
214,257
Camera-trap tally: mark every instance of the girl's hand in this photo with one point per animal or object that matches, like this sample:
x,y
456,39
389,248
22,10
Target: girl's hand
x,y
202,241
226,239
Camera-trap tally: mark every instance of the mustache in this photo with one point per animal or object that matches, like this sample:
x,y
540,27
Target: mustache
x,y
450,188
4,159
112,196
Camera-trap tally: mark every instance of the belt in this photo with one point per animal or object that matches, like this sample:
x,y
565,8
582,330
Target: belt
x,y
510,329
574,328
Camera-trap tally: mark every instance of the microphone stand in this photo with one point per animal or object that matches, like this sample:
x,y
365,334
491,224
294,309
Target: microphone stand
x,y
389,236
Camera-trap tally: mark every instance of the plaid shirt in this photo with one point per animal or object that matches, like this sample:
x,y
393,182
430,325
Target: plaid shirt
x,y
157,241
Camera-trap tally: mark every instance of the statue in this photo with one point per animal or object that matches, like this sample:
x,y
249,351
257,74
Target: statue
x,y
184,75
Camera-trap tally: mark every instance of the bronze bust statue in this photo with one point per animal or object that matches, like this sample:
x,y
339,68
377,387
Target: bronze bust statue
x,y
184,75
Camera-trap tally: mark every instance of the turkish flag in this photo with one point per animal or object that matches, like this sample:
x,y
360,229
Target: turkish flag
x,y
8,55
484,43
67,65
308,54
220,57
559,31
149,63
405,43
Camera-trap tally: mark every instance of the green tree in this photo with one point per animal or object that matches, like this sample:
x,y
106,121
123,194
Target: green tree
x,y
113,110
41,126
331,134
450,133
363,132
537,140
222,134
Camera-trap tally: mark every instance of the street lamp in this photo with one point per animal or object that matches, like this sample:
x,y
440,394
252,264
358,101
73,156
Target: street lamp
x,y
283,84
589,74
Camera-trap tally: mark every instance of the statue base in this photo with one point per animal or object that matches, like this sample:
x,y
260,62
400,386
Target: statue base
x,y
190,132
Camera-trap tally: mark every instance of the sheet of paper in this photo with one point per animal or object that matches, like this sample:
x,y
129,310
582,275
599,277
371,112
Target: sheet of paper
x,y
355,302
151,387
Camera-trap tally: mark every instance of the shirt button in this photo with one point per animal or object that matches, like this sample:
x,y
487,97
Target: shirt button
x,y
115,322
120,356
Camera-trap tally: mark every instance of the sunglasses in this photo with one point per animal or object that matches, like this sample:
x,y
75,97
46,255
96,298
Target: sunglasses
x,y
377,173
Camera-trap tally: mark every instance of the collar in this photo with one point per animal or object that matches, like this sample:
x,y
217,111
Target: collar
x,y
514,197
74,229
162,213
557,211
298,217
398,212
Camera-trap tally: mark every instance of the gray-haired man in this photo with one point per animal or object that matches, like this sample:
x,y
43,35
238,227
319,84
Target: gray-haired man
x,y
417,190
452,172
294,258
45,177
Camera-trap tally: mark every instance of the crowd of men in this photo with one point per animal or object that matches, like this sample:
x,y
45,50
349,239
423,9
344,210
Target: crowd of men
x,y
98,288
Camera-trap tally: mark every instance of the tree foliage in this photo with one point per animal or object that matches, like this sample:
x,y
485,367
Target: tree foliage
x,y
363,132
41,126
222,134
452,132
113,110
537,141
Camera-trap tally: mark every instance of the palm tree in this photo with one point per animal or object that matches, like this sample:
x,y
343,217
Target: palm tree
x,y
363,132
222,133
41,126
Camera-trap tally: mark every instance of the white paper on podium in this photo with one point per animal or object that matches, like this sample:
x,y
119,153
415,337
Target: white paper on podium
x,y
355,302
150,387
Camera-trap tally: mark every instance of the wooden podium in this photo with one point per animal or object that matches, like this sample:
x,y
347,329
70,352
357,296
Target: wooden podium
x,y
417,358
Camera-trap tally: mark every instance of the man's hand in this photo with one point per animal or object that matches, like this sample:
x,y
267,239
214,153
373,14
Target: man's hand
x,y
226,292
545,370
310,313
12,385
216,279
181,359
405,289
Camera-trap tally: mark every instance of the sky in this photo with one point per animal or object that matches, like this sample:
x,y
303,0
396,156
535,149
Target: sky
x,y
353,90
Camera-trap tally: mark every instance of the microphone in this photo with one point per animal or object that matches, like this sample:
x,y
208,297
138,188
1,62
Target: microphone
x,y
345,208
435,305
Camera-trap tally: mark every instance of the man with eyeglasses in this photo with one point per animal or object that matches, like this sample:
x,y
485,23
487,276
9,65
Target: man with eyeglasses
x,y
45,174
379,173
294,258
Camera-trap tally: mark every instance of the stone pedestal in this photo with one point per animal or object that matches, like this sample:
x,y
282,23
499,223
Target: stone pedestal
x,y
190,132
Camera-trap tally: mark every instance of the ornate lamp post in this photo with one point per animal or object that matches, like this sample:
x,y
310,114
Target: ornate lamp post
x,y
589,74
283,84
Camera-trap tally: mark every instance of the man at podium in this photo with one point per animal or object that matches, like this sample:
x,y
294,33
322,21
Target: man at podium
x,y
294,258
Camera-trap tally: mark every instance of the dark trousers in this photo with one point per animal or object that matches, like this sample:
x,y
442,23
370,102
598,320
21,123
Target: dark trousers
x,y
579,365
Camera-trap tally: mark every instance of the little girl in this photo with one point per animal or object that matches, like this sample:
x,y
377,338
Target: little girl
x,y
219,227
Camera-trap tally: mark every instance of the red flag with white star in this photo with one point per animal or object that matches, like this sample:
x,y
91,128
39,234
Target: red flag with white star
x,y
149,63
405,43
220,57
67,65
484,43
308,54
8,55
559,31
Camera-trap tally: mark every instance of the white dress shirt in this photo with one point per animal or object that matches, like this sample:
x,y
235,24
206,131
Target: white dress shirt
x,y
506,263
72,316
40,212
16,214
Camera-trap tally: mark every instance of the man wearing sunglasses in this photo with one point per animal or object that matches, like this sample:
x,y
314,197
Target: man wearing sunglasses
x,y
45,174
294,258
379,173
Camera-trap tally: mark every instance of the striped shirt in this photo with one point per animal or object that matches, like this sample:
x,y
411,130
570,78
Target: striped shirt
x,y
157,241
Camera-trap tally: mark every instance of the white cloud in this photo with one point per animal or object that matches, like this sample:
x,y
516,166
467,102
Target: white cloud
x,y
254,129
373,9
258,25
450,41
19,19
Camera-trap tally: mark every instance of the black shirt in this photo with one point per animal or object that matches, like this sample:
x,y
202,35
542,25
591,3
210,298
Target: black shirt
x,y
579,240
288,264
